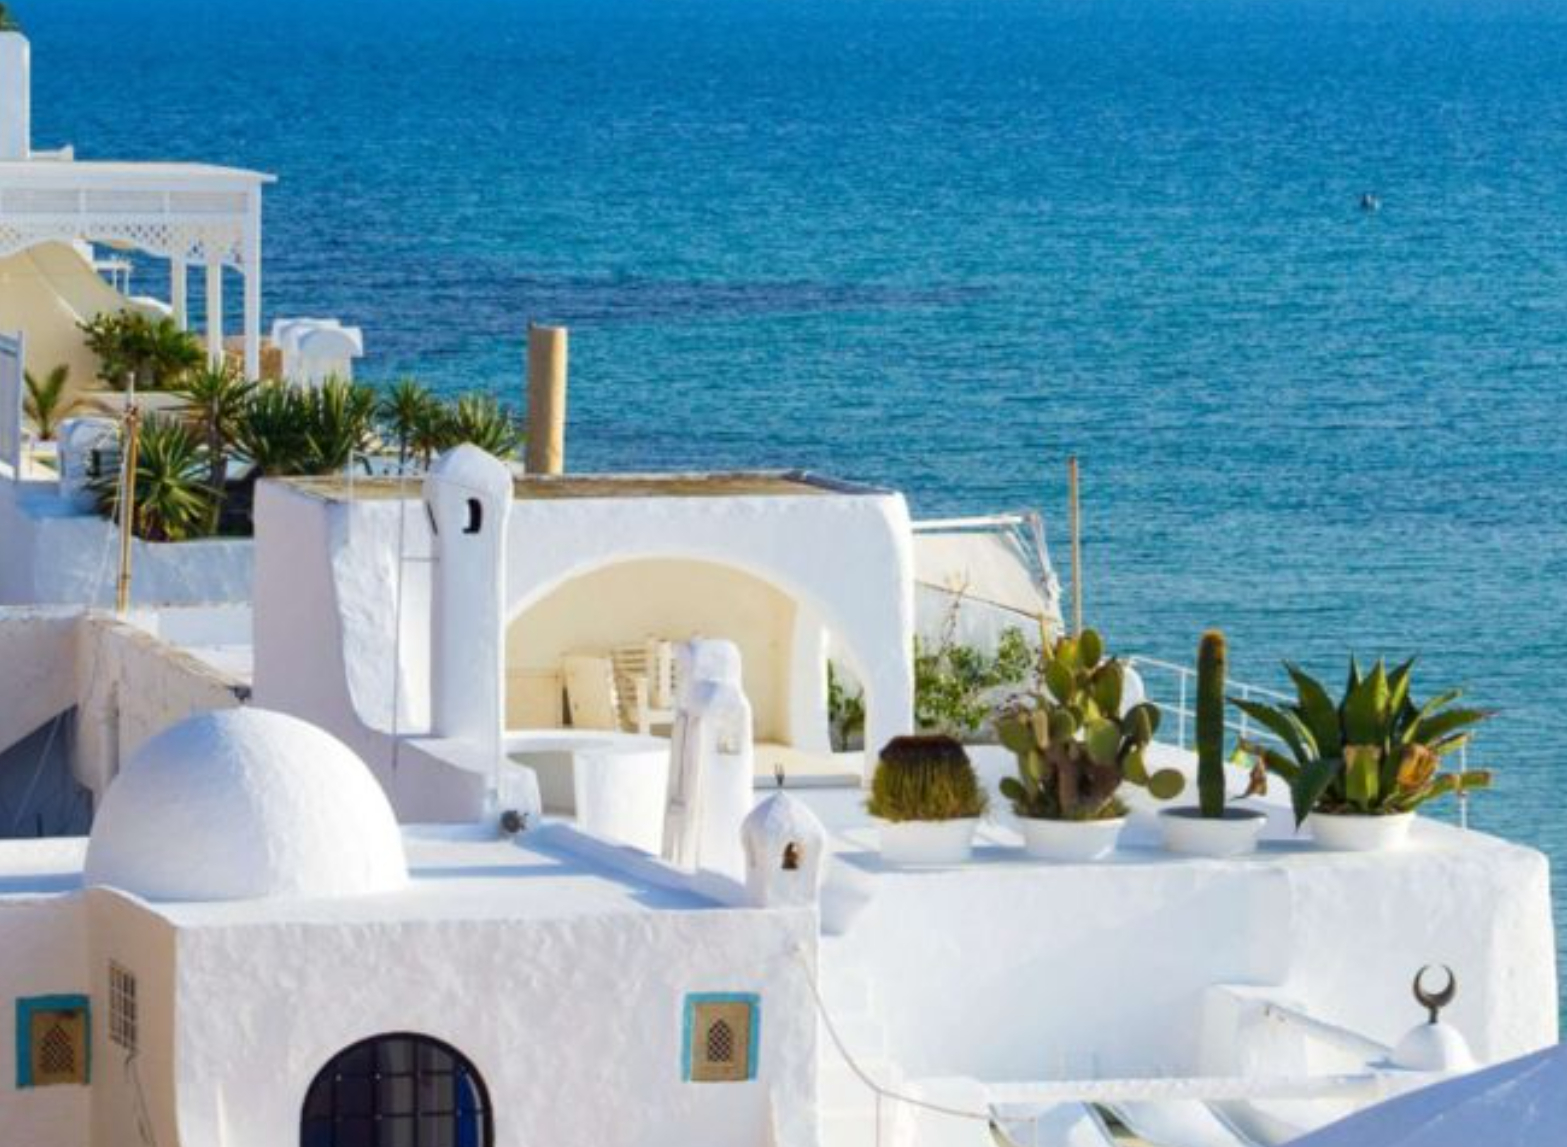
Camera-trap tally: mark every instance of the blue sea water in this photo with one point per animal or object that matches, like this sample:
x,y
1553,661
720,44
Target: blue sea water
x,y
942,244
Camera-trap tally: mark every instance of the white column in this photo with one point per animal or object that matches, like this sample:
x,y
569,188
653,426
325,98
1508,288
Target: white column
x,y
253,286
808,652
215,311
179,293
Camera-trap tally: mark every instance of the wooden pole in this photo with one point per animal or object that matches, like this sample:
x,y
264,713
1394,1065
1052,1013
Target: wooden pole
x,y
547,365
1076,519
122,597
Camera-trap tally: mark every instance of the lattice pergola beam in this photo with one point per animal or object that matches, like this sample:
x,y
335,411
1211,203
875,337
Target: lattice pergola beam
x,y
187,213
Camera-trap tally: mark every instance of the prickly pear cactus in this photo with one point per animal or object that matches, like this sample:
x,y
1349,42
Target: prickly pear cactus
x,y
1074,745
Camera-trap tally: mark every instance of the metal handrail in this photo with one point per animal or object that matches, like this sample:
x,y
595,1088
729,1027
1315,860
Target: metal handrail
x,y
1184,711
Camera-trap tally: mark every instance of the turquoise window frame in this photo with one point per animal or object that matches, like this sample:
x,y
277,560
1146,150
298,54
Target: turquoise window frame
x,y
25,1009
753,1047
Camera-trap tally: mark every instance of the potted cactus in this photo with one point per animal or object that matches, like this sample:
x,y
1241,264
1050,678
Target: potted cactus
x,y
1213,827
1076,744
1359,769
928,799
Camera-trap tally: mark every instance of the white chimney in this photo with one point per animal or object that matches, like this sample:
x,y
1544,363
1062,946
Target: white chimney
x,y
468,494
16,96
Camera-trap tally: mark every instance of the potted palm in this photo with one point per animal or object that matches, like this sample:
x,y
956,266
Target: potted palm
x,y
928,799
1075,747
1213,827
1359,769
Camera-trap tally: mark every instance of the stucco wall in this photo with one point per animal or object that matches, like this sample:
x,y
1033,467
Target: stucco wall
x,y
575,1025
55,555
43,954
674,600
1032,971
126,685
126,931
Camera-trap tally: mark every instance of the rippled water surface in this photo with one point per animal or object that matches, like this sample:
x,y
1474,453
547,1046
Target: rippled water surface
x,y
941,245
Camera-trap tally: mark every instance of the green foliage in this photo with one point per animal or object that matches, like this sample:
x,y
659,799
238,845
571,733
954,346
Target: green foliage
x,y
46,403
954,684
408,413
217,397
290,430
1074,746
7,21
925,778
845,709
173,501
1212,665
482,421
153,352
1375,752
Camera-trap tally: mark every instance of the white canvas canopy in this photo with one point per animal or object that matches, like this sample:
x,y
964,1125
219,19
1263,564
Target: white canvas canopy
x,y
994,570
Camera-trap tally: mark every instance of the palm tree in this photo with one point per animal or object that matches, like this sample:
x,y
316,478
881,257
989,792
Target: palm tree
x,y
405,409
217,397
167,354
46,401
173,503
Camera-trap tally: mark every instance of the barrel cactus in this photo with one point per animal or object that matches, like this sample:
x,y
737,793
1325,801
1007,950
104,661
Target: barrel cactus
x,y
925,778
1074,745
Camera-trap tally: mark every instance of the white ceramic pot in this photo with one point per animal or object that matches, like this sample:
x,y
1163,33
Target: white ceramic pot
x,y
1070,840
1360,833
928,841
1190,833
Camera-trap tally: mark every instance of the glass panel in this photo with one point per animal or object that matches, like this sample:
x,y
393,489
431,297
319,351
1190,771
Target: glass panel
x,y
355,1133
396,1095
438,1132
395,1055
355,1097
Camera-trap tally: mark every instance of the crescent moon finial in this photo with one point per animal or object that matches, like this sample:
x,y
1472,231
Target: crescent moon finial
x,y
1434,1002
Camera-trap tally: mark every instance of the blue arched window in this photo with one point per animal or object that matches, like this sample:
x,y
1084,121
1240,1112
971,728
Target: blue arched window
x,y
398,1090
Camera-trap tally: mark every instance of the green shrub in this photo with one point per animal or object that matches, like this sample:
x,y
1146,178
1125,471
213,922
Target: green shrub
x,y
154,352
955,684
925,778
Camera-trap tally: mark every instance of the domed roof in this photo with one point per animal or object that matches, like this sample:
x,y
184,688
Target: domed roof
x,y
242,804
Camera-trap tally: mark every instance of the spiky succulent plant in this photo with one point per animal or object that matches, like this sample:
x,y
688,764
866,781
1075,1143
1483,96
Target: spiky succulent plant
x,y
1074,745
925,777
1375,752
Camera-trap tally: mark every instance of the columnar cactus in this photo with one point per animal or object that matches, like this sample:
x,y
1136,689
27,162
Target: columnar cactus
x,y
1212,661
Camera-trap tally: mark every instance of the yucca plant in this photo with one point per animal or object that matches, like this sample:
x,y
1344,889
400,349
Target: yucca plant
x,y
46,402
925,778
1074,746
272,430
482,421
217,398
173,501
339,424
1376,752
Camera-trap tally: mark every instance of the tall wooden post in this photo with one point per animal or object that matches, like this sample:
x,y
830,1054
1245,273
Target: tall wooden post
x,y
122,596
1076,524
547,365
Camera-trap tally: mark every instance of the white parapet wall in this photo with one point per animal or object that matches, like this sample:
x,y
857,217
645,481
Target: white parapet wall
x,y
54,553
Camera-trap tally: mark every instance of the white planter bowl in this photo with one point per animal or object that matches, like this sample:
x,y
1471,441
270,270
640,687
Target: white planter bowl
x,y
1360,833
1187,832
928,841
1070,840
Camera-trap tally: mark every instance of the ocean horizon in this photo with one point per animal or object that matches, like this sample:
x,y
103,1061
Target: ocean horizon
x,y
942,245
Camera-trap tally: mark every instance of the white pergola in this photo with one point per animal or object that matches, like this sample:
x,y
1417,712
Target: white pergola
x,y
185,212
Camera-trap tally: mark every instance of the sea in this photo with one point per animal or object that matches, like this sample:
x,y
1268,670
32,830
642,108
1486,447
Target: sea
x,y
1288,277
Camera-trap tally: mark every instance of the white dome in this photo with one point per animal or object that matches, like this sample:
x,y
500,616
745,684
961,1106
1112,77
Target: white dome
x,y
1434,1047
242,804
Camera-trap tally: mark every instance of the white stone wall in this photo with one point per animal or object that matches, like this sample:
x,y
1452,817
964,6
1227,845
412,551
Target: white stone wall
x,y
56,555
575,1025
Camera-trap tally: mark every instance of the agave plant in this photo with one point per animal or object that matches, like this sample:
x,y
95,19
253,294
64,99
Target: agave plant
x,y
1074,746
173,501
1375,752
46,402
217,397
